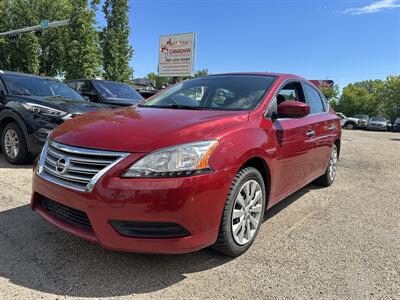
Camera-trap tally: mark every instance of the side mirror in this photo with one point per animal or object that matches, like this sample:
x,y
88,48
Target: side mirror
x,y
293,109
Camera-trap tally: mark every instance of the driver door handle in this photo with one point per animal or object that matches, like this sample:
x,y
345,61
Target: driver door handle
x,y
310,133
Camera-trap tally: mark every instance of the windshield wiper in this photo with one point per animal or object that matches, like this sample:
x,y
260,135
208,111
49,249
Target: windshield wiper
x,y
57,96
22,94
176,106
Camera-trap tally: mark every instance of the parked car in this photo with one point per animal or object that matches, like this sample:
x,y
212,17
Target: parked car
x,y
194,166
111,93
30,107
342,118
362,121
377,123
389,125
144,87
346,122
396,125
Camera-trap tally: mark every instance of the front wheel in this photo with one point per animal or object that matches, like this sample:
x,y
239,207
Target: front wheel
x,y
243,213
330,173
350,126
14,145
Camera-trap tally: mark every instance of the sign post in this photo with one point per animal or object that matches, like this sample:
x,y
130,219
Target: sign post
x,y
176,55
44,24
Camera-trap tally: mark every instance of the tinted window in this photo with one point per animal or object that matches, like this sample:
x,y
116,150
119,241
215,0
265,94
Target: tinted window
x,y
221,92
72,84
378,119
85,88
362,117
39,86
115,90
314,100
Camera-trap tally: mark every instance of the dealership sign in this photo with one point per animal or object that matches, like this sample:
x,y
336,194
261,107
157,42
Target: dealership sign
x,y
176,55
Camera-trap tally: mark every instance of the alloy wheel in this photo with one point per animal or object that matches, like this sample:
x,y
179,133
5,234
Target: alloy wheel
x,y
11,143
247,212
333,164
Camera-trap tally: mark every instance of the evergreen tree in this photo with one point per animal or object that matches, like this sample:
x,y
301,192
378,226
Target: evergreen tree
x,y
115,41
83,59
25,56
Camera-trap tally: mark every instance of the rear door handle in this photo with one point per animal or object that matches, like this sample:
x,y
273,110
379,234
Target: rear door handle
x,y
310,133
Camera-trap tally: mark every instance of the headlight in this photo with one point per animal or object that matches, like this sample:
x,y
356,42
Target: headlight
x,y
43,110
181,160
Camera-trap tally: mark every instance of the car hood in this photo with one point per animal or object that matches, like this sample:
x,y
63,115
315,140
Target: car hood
x,y
114,102
353,119
377,123
69,106
139,129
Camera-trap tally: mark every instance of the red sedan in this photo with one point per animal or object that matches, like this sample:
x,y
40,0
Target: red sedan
x,y
195,165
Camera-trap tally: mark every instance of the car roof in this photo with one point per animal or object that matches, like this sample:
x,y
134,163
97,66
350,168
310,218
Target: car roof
x,y
28,75
72,80
282,75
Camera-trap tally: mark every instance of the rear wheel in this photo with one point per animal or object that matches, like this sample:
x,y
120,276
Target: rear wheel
x,y
243,213
330,173
13,145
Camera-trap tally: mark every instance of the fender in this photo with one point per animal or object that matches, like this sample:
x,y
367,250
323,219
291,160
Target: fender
x,y
8,113
33,145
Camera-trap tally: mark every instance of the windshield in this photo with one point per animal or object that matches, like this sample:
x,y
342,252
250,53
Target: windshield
x,y
362,117
220,92
378,119
116,90
39,86
397,121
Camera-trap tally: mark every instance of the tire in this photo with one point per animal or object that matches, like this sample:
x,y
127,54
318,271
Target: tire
x,y
228,242
21,155
328,177
350,126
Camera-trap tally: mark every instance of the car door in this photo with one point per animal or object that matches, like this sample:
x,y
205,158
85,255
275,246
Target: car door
x,y
294,163
323,125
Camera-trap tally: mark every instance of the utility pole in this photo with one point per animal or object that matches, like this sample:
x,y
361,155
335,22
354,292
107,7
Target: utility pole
x,y
13,35
44,24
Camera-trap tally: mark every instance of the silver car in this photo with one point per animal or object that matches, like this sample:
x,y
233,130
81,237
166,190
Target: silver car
x,y
377,123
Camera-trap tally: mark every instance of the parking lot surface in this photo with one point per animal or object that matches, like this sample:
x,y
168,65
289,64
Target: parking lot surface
x,y
336,242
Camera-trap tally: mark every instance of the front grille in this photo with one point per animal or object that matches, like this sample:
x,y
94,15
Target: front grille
x,y
68,214
74,167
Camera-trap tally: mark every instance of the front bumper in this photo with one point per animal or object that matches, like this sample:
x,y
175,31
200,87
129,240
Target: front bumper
x,y
195,203
377,127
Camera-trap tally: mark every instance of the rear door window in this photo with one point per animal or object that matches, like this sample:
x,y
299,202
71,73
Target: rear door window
x,y
313,99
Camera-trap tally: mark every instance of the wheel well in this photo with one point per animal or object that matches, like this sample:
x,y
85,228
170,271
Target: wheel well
x,y
5,121
337,143
261,165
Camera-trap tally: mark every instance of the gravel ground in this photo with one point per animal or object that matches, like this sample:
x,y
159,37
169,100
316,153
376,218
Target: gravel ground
x,y
337,242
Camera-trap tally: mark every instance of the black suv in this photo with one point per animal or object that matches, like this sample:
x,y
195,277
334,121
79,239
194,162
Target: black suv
x,y
30,107
111,93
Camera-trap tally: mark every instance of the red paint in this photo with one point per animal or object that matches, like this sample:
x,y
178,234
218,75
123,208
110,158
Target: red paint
x,y
293,109
196,202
